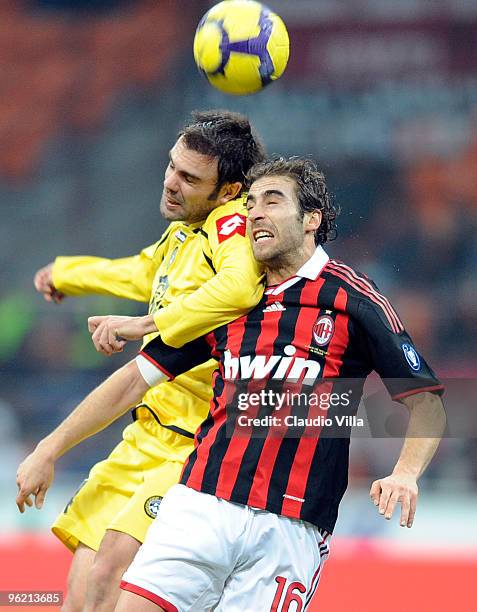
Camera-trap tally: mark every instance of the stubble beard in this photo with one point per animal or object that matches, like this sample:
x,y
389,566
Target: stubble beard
x,y
171,215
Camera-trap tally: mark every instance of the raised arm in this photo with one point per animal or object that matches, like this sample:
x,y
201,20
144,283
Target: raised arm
x,y
235,289
127,277
231,293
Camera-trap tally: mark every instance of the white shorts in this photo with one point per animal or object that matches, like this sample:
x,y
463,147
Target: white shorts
x,y
204,553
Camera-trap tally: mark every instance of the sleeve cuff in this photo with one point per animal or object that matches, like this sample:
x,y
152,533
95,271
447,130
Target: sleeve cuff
x,y
150,371
56,273
439,389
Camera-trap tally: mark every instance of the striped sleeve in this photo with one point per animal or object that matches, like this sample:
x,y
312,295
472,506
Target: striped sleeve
x,y
393,356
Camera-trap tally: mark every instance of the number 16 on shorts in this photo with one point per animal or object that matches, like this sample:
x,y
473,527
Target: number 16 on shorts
x,y
287,593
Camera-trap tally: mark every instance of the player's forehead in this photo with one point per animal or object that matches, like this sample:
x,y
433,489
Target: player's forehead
x,y
281,187
192,162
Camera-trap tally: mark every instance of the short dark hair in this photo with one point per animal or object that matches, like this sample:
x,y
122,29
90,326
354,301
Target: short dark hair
x,y
312,192
227,136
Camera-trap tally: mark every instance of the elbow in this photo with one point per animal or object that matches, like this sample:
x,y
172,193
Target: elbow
x,y
135,385
441,412
430,414
438,411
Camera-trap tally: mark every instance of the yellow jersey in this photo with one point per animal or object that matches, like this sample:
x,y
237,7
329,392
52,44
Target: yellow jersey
x,y
196,278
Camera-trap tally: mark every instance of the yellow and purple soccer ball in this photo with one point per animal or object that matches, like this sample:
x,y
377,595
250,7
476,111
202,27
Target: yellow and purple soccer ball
x,y
241,46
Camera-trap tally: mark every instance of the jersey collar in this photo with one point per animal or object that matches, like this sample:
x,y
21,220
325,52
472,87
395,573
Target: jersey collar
x,y
197,225
311,270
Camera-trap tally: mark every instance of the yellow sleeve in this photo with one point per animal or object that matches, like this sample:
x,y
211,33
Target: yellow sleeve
x,y
128,277
234,290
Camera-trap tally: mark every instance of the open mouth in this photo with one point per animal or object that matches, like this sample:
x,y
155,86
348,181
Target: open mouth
x,y
262,235
171,202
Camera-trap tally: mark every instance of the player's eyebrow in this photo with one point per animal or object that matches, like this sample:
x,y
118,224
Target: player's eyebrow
x,y
273,192
266,194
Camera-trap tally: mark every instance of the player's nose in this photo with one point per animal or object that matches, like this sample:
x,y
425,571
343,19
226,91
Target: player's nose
x,y
255,214
170,181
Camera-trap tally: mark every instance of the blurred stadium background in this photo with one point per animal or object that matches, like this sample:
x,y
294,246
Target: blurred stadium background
x,y
384,95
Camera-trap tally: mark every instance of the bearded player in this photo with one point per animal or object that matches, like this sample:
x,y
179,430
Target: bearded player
x,y
200,274
248,527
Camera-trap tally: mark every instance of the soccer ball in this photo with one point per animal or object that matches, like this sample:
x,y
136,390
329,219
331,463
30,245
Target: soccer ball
x,y
241,46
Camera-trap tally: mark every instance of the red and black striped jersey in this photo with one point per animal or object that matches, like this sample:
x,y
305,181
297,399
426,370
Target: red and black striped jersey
x,y
308,333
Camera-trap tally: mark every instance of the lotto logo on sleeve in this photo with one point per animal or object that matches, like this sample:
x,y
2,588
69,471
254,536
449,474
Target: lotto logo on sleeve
x,y
230,225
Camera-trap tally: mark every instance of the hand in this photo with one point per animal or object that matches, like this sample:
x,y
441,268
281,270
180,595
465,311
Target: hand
x,y
387,492
110,333
34,477
43,282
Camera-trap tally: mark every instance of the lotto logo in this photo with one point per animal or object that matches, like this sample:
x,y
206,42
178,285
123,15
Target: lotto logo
x,y
230,225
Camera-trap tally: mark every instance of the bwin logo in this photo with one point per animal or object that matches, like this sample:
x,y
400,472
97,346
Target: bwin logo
x,y
260,366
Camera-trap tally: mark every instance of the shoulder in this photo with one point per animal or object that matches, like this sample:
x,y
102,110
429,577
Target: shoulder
x,y
362,294
349,278
226,211
227,220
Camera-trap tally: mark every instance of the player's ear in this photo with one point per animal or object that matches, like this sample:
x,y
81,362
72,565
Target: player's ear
x,y
313,220
229,192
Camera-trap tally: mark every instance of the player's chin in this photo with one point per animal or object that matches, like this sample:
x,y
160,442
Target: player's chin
x,y
262,251
172,213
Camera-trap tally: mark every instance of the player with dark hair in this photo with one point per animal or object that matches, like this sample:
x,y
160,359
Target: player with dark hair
x,y
312,192
110,332
201,273
248,527
226,136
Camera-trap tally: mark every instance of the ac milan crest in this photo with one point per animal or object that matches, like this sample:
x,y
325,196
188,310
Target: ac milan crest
x,y
323,330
